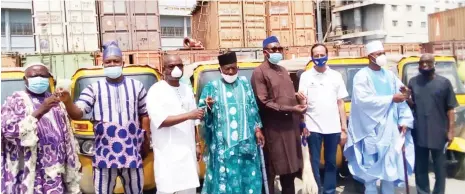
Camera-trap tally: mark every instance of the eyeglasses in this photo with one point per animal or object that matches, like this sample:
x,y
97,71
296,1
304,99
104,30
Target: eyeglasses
x,y
276,49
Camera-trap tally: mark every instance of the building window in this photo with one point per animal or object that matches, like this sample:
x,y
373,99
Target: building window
x,y
409,8
436,9
447,1
3,28
394,22
177,32
394,7
422,8
460,4
409,23
423,24
21,28
189,31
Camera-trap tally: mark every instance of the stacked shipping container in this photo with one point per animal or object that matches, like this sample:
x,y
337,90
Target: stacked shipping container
x,y
245,23
134,24
447,25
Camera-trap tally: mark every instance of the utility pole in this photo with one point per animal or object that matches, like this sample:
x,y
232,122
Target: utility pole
x,y
318,20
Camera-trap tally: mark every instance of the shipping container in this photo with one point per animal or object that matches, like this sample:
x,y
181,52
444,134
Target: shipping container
x,y
447,25
62,65
229,23
248,53
134,24
11,60
155,58
293,22
62,26
454,48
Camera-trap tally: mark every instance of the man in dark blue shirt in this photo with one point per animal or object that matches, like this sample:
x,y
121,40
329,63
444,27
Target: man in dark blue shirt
x,y
433,102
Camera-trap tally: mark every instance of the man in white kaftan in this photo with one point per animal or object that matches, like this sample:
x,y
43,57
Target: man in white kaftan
x,y
172,111
379,126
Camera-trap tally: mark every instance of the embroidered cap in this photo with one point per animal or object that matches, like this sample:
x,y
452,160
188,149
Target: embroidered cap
x,y
271,39
374,46
111,49
227,58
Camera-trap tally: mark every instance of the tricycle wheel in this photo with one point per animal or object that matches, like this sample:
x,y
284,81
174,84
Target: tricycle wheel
x,y
456,165
460,166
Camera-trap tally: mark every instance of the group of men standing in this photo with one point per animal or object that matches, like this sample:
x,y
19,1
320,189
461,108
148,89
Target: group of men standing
x,y
238,119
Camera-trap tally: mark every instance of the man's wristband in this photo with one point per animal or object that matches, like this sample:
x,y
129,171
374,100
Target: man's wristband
x,y
303,125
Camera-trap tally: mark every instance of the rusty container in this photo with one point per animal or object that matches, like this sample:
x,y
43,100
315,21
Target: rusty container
x,y
134,24
293,22
11,60
447,25
229,23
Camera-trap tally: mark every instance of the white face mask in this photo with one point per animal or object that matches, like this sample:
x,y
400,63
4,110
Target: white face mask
x,y
176,73
381,60
229,78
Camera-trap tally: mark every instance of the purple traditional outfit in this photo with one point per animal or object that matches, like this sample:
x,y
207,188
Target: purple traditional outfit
x,y
38,156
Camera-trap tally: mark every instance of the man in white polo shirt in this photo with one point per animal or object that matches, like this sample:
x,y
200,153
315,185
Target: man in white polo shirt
x,y
325,119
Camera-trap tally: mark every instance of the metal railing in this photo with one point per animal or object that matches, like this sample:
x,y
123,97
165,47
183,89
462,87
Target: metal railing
x,y
172,32
20,29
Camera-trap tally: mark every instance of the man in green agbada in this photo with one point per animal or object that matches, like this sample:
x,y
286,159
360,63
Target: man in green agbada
x,y
231,130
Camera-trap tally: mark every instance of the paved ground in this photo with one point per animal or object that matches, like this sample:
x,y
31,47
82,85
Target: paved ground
x,y
346,186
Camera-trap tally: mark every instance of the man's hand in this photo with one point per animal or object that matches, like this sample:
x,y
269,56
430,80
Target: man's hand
x,y
403,129
63,95
305,132
145,148
198,150
48,104
405,91
196,114
343,137
399,97
209,100
300,108
450,136
260,137
301,98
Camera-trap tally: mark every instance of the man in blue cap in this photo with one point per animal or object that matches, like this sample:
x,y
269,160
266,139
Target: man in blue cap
x,y
280,112
119,114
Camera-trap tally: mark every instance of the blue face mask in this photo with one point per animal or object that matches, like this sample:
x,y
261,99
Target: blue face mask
x,y
113,72
37,85
320,62
275,58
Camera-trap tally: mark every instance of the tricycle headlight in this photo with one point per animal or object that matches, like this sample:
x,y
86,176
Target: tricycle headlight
x,y
87,147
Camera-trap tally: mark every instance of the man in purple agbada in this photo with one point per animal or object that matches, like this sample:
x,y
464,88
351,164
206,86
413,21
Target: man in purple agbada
x,y
39,151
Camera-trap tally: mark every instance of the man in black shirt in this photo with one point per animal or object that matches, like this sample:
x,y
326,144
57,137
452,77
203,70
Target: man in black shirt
x,y
433,102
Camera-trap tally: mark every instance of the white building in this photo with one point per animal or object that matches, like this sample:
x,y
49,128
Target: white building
x,y
391,21
17,33
175,22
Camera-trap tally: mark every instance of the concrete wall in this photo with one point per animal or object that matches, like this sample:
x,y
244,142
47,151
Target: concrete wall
x,y
12,42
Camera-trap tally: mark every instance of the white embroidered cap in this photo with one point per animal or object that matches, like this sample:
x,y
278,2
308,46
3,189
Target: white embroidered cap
x,y
35,64
374,46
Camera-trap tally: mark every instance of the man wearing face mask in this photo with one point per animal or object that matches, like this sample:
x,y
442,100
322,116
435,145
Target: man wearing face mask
x,y
433,102
378,132
231,130
173,114
39,151
119,115
325,120
280,112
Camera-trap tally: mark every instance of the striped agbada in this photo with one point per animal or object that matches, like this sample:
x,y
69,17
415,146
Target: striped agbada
x,y
116,105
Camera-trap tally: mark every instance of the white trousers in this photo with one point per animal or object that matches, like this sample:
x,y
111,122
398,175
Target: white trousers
x,y
132,179
187,191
